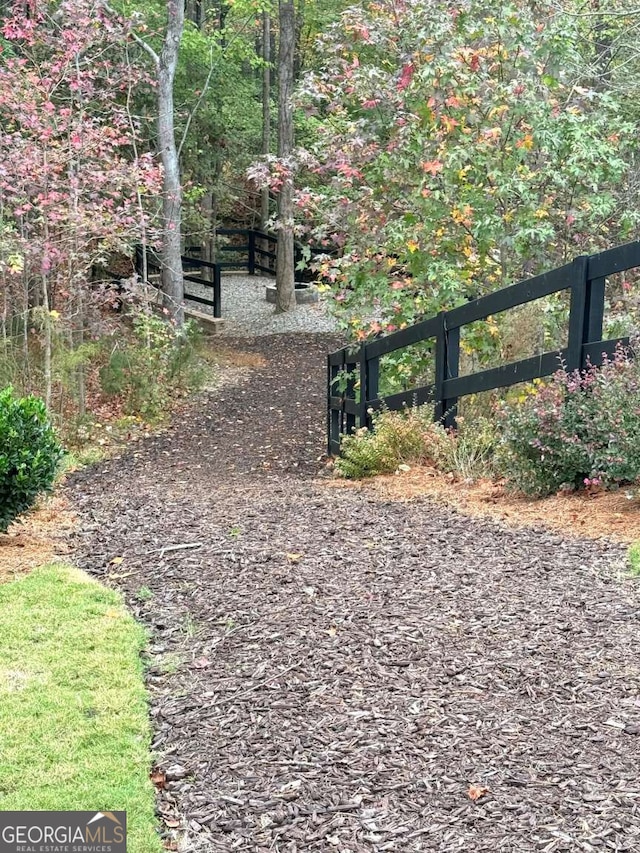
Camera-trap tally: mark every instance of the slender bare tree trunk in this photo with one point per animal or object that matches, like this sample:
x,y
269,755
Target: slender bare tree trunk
x,y
77,339
25,326
142,219
210,212
207,244
285,287
172,280
48,343
266,109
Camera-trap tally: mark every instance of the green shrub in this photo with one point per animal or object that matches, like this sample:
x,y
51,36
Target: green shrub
x,y
396,438
634,559
412,437
147,371
579,428
29,454
470,449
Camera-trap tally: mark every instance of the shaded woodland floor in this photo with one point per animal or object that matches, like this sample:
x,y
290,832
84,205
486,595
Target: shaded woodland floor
x,y
334,670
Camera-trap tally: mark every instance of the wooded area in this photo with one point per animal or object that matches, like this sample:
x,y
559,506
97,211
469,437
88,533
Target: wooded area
x,y
425,154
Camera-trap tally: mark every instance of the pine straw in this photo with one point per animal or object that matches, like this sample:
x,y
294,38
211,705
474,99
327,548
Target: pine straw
x,y
39,538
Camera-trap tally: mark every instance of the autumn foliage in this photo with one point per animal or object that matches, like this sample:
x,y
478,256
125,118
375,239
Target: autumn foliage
x,y
459,147
72,172
77,183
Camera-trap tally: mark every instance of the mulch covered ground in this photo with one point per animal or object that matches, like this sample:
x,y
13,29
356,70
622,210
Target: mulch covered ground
x,y
333,671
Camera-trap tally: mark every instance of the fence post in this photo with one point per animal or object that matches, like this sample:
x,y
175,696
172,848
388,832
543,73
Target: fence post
x,y
217,291
252,252
364,384
373,378
578,320
369,378
337,415
594,310
349,423
452,368
440,369
330,410
447,367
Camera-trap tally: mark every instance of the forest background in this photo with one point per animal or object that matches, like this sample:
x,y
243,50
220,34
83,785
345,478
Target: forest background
x,y
429,153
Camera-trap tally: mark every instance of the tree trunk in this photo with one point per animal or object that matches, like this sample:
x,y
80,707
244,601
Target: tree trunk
x,y
77,335
207,250
297,49
285,288
48,343
172,280
195,12
266,110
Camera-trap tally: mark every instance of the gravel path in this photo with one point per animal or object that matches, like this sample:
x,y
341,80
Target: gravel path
x,y
245,310
333,672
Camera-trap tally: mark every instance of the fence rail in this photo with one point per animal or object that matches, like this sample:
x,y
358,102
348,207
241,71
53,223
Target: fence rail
x,y
585,279
214,302
257,255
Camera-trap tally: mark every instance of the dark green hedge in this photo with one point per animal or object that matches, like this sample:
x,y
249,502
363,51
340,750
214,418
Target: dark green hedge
x,y
29,454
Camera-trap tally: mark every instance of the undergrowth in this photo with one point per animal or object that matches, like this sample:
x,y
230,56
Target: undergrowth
x,y
410,437
633,557
158,362
578,429
127,374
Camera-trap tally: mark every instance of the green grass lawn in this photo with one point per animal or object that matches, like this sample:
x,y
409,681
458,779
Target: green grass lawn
x,y
74,730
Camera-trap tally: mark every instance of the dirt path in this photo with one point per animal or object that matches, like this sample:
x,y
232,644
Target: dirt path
x,y
334,672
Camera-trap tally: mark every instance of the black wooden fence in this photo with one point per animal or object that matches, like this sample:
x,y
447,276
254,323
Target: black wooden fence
x,y
585,278
255,252
258,252
189,263
251,256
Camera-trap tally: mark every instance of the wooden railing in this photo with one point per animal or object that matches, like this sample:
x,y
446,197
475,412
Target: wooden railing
x,y
359,367
258,258
214,301
259,252
256,254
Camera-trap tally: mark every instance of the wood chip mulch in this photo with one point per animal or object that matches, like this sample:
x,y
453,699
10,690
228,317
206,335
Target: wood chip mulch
x,y
331,670
613,515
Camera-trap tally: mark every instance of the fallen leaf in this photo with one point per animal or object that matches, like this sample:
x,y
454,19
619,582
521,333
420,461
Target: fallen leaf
x,y
477,791
117,560
294,558
158,778
171,822
201,663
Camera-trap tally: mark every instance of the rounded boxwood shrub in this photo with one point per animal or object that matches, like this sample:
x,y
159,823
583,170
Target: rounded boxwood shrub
x,y
29,454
